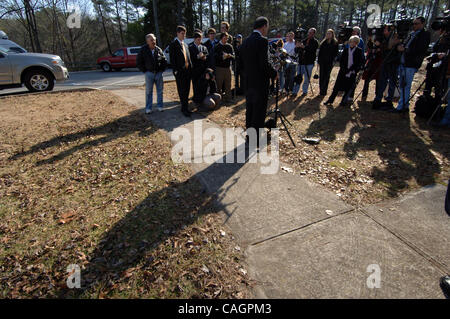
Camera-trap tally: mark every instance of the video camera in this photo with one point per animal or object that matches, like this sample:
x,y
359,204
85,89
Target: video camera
x,y
300,34
403,27
376,33
442,23
345,32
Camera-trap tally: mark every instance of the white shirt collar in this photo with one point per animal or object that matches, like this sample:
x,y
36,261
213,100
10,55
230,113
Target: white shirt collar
x,y
181,42
258,32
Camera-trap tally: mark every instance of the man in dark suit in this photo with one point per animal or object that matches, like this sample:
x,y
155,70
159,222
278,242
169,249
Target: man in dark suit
x,y
351,63
211,44
257,72
199,55
180,60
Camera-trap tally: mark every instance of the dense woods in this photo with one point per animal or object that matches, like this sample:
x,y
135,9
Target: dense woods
x,y
40,25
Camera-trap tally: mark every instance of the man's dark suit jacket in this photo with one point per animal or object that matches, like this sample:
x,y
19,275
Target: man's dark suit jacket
x,y
211,61
417,50
177,58
344,83
257,70
199,65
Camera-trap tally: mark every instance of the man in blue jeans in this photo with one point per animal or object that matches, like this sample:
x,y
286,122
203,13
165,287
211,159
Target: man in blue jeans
x,y
307,51
412,55
152,62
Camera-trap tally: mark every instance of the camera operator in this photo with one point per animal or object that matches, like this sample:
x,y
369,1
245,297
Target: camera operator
x,y
412,54
437,65
207,91
199,55
153,63
224,54
387,49
373,64
445,122
307,50
290,68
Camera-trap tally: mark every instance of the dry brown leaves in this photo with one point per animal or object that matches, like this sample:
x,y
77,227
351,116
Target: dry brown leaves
x,y
86,179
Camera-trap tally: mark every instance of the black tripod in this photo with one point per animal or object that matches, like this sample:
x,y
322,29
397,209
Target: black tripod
x,y
442,101
309,77
277,112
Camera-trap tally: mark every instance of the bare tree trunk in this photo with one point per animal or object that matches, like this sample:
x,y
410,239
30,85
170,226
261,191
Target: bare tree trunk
x,y
119,21
364,25
32,26
180,12
102,18
155,17
211,14
352,9
327,15
200,9
316,13
295,14
434,13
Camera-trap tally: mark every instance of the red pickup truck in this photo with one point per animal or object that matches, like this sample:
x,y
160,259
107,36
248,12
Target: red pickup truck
x,y
122,58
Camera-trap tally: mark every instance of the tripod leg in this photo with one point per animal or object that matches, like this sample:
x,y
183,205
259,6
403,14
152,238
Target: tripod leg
x,y
285,119
287,131
437,108
309,78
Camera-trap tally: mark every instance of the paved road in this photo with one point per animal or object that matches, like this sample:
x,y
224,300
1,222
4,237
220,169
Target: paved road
x,y
98,80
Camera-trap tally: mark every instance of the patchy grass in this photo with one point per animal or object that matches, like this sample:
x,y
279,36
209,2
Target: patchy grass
x,y
365,156
86,179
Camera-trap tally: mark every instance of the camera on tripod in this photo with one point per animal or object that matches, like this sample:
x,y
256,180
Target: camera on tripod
x,y
300,34
402,28
377,33
345,32
442,23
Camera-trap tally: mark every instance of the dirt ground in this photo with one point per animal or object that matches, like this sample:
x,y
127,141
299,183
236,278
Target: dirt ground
x,y
86,179
364,156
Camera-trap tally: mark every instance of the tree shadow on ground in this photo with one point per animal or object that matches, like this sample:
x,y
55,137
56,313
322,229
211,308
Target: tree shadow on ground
x,y
440,137
124,126
163,214
335,121
403,154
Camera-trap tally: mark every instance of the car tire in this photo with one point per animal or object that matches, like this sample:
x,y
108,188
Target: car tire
x,y
106,67
39,81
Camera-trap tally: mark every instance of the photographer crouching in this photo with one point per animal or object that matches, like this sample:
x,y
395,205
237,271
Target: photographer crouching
x,y
207,91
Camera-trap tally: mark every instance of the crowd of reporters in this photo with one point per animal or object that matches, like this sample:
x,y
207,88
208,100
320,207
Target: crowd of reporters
x,y
390,58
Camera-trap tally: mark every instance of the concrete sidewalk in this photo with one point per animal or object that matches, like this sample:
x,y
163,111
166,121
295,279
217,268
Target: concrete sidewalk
x,y
302,241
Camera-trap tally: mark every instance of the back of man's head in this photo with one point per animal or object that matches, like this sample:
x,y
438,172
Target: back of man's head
x,y
260,23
